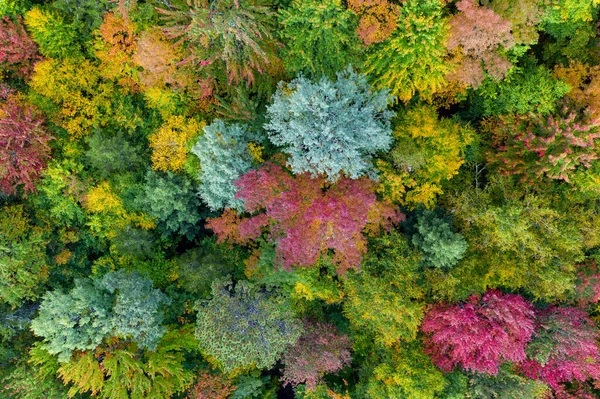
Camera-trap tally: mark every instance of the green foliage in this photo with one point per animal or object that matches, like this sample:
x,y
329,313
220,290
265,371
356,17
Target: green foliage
x,y
385,297
412,59
319,37
242,327
111,154
506,385
330,128
78,320
404,371
224,157
55,38
532,89
86,15
122,371
23,269
434,236
172,200
200,266
120,304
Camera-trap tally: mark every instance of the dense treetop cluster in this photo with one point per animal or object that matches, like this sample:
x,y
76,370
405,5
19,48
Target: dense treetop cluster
x,y
312,199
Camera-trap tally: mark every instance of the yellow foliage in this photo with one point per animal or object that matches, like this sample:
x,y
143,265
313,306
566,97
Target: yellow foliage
x,y
256,150
63,257
162,100
109,215
428,151
83,97
170,143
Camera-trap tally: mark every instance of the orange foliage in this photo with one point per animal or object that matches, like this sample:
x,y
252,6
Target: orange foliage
x,y
378,19
211,387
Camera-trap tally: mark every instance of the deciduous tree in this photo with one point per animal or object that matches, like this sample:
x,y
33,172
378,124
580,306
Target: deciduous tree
x,y
24,148
18,53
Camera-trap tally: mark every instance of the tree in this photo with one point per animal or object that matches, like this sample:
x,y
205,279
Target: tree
x,y
111,154
478,35
242,327
564,347
412,59
378,19
320,38
434,237
224,156
318,351
120,369
55,38
24,148
428,151
531,89
304,220
480,334
210,386
557,147
119,305
170,143
23,268
330,127
402,371
228,36
18,53
172,200
386,298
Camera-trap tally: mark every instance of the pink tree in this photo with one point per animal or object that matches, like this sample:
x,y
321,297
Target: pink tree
x,y
307,216
480,334
318,351
24,148
564,348
18,52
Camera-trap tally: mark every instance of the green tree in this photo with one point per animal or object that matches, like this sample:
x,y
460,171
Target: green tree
x,y
319,37
385,298
434,236
242,327
23,268
412,59
172,200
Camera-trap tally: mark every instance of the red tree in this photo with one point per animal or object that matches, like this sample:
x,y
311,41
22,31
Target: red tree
x,y
480,334
318,351
306,216
564,348
18,53
24,148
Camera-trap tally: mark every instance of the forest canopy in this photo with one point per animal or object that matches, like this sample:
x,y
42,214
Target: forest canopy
x,y
272,199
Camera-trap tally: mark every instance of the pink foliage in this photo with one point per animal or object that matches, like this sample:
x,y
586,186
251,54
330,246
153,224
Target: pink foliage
x,y
306,217
480,334
587,287
564,348
319,350
478,32
18,53
560,144
24,148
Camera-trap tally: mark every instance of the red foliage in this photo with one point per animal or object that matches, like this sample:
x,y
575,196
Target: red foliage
x,y
211,387
533,146
478,32
564,348
587,287
306,217
319,350
18,53
24,148
480,334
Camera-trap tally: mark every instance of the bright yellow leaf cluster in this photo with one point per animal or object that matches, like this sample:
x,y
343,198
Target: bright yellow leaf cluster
x,y
170,144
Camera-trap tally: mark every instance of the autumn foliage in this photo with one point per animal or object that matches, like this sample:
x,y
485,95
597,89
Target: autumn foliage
x,y
18,53
24,148
378,19
479,334
306,216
